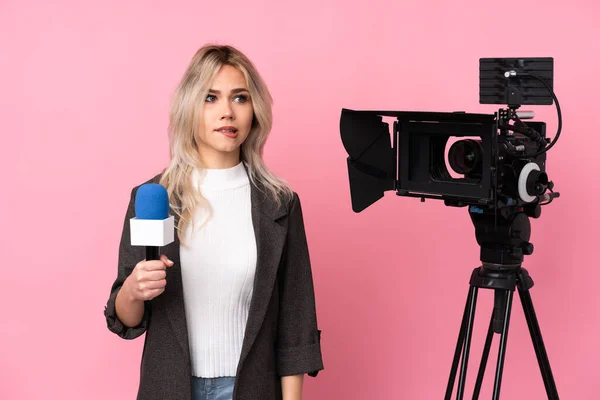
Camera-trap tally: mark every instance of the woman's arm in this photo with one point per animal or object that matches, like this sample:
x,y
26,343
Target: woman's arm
x,y
298,347
129,309
291,387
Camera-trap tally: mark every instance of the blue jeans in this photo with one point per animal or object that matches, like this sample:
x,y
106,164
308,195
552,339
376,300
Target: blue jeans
x,y
212,388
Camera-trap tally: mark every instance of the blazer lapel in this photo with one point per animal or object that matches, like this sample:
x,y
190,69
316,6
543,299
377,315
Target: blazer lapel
x,y
270,238
175,304
174,301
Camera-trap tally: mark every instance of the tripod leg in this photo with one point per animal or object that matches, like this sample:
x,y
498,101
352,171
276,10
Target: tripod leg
x,y
502,350
467,344
458,350
484,359
459,345
538,344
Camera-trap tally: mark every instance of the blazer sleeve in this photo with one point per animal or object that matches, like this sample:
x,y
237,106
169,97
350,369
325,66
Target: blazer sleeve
x,y
129,256
298,338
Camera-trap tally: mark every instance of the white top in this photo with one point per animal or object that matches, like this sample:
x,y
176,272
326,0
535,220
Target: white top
x,y
218,266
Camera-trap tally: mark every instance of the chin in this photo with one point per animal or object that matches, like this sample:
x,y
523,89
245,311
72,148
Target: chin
x,y
227,149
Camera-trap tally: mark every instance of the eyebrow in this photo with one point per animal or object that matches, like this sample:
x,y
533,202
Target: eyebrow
x,y
238,90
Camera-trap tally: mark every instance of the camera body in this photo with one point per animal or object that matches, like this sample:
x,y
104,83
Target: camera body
x,y
464,159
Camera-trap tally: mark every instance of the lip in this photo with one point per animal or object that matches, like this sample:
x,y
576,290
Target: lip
x,y
228,134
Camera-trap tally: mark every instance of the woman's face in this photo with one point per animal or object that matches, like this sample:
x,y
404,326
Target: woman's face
x,y
227,119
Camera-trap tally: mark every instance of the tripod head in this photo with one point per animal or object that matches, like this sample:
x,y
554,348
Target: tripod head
x,y
503,237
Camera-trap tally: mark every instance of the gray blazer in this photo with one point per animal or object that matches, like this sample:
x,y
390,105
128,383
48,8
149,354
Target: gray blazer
x,y
281,335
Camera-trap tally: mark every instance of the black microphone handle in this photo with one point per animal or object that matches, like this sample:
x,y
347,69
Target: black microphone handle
x,y
152,253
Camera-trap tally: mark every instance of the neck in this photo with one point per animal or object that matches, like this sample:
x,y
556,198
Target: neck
x,y
219,160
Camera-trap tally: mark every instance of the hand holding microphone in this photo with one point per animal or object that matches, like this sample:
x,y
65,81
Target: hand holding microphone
x,y
151,227
148,279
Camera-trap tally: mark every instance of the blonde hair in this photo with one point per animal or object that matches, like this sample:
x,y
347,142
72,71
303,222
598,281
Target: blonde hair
x,y
185,117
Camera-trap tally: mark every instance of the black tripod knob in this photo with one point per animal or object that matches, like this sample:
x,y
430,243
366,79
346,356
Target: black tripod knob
x,y
527,248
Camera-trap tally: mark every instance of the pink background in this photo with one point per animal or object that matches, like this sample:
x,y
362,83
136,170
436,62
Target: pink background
x,y
83,111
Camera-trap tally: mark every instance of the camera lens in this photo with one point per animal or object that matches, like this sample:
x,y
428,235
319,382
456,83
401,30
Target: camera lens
x,y
465,156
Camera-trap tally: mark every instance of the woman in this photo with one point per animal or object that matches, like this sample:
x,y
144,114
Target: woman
x,y
229,309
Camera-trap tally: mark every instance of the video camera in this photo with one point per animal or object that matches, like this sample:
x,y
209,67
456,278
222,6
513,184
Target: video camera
x,y
498,164
496,167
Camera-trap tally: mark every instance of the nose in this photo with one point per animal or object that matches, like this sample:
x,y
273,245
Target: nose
x,y
227,111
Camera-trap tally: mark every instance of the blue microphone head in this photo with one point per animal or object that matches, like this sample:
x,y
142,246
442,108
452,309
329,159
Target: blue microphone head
x,y
152,202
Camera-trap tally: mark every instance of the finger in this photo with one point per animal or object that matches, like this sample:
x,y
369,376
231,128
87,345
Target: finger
x,y
140,264
144,286
154,265
166,261
150,294
151,285
155,275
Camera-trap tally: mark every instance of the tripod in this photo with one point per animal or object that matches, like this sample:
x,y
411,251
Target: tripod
x,y
504,240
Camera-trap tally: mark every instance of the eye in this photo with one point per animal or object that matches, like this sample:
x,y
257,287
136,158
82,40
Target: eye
x,y
211,98
242,98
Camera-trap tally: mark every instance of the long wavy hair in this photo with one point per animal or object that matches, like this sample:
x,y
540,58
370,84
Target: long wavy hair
x,y
186,112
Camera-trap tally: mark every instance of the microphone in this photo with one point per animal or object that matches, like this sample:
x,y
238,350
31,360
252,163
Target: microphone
x,y
152,226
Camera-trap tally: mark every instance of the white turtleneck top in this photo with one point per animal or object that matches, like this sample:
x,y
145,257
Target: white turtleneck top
x,y
218,265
